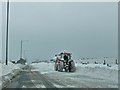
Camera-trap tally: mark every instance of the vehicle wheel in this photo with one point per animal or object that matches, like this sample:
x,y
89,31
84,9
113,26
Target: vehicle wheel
x,y
66,68
72,67
60,66
56,67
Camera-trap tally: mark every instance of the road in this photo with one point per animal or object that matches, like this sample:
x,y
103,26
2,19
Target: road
x,y
31,78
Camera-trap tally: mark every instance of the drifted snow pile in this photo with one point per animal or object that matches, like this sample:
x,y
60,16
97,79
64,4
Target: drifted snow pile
x,y
43,67
8,72
96,68
98,71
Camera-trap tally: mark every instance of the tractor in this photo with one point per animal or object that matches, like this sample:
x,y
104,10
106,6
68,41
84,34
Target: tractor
x,y
63,62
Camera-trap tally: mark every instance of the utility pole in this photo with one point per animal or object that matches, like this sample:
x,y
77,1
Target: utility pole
x,y
7,32
21,50
25,54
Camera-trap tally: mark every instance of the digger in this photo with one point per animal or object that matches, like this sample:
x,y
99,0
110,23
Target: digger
x,y
63,62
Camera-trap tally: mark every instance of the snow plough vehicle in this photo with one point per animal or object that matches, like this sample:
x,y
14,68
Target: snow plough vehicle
x,y
63,62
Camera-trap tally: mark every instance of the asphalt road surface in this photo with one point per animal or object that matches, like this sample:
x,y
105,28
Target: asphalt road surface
x,y
30,79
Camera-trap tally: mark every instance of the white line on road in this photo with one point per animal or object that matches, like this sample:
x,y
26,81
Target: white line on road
x,y
40,86
58,86
34,70
24,86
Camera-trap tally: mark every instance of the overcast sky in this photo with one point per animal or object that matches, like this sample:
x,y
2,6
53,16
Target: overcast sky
x,y
86,29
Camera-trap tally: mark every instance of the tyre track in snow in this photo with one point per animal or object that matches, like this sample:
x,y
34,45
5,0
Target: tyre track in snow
x,y
60,78
42,80
30,79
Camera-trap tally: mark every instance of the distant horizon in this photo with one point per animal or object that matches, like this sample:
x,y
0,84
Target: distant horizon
x,y
3,61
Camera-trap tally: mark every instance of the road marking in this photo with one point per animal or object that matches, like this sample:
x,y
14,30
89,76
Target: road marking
x,y
34,70
33,81
24,86
37,85
40,86
69,86
58,86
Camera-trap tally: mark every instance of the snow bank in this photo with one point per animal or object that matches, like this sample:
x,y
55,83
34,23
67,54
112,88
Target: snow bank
x,y
98,71
87,66
113,67
100,60
10,67
8,72
43,67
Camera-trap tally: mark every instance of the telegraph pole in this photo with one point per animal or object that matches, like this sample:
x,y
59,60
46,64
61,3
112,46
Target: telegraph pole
x,y
7,32
21,50
25,54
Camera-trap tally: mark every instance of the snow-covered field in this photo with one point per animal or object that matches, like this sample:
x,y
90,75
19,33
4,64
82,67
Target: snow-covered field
x,y
86,75
8,71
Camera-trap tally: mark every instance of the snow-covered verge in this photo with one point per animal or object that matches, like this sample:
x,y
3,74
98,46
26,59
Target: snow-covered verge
x,y
8,72
91,75
98,71
107,70
99,60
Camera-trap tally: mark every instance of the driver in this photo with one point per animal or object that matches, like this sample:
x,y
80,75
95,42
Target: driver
x,y
66,58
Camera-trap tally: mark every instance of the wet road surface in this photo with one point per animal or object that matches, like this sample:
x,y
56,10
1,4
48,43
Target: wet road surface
x,y
30,79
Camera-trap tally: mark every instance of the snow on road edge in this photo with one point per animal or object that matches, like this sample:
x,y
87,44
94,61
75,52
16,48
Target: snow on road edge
x,y
8,72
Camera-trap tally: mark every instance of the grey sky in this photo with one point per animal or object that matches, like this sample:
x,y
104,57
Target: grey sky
x,y
86,29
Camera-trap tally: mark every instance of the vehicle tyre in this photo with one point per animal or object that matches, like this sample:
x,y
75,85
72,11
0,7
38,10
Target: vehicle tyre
x,y
56,67
60,66
72,67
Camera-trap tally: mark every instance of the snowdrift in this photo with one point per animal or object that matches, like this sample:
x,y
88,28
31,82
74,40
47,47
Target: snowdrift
x,y
43,67
98,71
8,72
